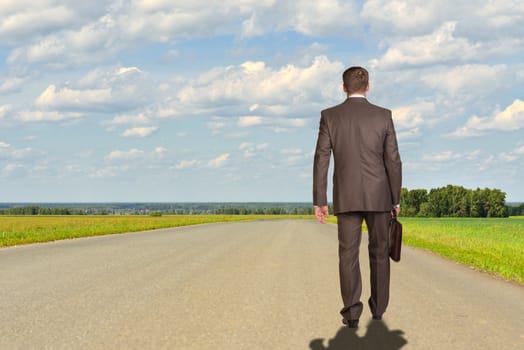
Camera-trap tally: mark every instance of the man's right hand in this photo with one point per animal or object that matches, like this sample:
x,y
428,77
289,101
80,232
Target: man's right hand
x,y
322,213
395,211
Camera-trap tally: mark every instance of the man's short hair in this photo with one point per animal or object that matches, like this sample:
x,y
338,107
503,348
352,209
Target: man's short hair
x,y
356,79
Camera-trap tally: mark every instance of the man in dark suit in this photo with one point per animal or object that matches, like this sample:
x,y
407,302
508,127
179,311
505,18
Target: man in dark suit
x,y
366,186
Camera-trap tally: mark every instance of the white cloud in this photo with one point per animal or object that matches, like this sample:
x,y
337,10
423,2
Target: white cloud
x,y
218,161
80,33
160,151
440,156
511,118
449,157
276,124
299,159
412,115
314,18
106,172
291,151
46,116
73,99
249,149
511,156
167,112
34,18
132,154
125,70
519,150
295,122
507,157
12,167
288,91
4,109
442,46
4,145
140,132
12,84
140,118
250,121
100,90
469,79
187,164
409,134
404,16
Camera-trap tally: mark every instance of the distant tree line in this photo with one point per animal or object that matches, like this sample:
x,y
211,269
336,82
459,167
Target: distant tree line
x,y
229,209
448,201
264,211
516,210
36,210
454,201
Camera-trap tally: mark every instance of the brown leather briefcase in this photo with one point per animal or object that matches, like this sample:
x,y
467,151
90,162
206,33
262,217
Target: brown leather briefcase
x,y
395,239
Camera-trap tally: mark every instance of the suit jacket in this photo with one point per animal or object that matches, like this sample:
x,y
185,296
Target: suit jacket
x,y
368,170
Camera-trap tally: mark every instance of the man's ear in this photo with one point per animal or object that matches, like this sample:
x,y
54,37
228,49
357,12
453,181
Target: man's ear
x,y
345,88
368,87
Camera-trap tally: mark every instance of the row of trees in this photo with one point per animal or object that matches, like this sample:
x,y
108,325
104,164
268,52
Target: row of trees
x,y
454,201
36,210
229,210
516,210
449,201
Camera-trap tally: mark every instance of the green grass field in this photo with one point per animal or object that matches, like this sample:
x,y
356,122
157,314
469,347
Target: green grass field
x,y
16,230
492,245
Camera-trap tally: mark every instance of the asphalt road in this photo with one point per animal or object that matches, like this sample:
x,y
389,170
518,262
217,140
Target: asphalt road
x,y
249,285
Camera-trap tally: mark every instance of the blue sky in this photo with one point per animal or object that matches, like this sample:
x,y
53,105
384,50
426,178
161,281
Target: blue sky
x,y
157,100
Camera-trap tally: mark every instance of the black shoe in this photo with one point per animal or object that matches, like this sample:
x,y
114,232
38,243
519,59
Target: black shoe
x,y
377,317
350,323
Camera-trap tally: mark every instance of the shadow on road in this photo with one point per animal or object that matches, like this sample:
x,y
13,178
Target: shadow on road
x,y
377,337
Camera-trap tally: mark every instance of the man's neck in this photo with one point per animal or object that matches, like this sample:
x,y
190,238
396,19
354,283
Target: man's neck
x,y
357,94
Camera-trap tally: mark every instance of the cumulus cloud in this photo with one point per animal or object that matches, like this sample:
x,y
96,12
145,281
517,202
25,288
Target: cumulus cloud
x,y
469,78
511,118
307,17
123,119
12,84
73,99
250,121
441,156
285,91
409,134
159,152
4,109
441,46
249,149
435,161
140,132
46,116
519,150
411,116
219,161
187,164
20,22
100,90
73,34
4,144
402,16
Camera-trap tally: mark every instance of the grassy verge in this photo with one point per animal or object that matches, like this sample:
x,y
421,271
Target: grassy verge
x,y
16,230
492,245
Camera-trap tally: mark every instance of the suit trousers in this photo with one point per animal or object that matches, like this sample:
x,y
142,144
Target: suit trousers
x,y
349,238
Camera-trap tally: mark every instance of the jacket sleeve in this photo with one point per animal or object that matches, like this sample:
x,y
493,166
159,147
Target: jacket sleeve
x,y
321,164
392,162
